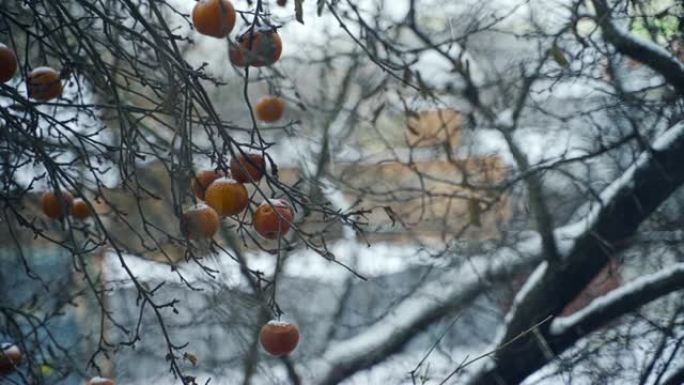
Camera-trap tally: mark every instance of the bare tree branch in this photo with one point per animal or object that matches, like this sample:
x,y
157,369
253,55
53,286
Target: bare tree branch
x,y
618,302
641,50
444,294
624,205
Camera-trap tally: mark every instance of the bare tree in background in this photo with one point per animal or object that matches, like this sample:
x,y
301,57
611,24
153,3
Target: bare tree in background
x,y
511,168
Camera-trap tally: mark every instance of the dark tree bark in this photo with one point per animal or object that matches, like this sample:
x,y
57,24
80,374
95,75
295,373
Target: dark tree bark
x,y
654,178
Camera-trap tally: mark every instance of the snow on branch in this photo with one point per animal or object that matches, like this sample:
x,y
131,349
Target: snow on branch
x,y
621,301
654,56
454,289
587,245
450,291
567,235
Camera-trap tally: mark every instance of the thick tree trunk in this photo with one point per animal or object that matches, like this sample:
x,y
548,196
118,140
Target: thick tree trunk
x,y
632,199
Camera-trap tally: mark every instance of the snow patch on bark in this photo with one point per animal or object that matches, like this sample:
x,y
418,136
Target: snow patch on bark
x,y
563,324
568,235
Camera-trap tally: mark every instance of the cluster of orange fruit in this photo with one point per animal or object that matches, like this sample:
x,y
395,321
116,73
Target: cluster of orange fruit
x,y
225,195
58,205
42,83
259,46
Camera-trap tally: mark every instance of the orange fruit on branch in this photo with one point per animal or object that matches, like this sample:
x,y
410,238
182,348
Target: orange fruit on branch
x,y
8,63
200,222
214,18
203,179
97,380
247,168
279,338
257,48
269,108
273,219
80,209
10,357
226,196
44,83
56,206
